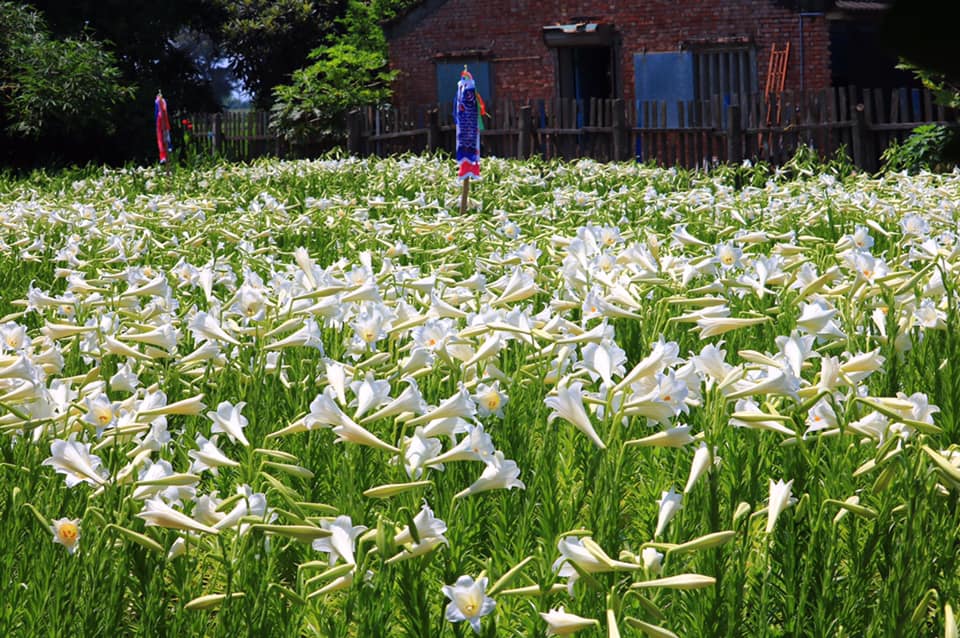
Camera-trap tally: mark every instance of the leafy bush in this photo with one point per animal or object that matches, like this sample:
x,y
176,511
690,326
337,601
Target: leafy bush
x,y
348,71
315,104
923,150
49,85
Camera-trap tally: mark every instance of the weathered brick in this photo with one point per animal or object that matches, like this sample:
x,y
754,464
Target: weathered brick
x,y
523,67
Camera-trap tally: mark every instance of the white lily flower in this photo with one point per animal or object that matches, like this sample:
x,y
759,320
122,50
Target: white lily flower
x,y
670,504
652,560
66,532
156,512
562,623
475,446
206,327
340,544
428,527
490,399
588,557
420,451
73,459
370,394
499,474
208,456
779,501
468,601
460,405
410,400
227,419
703,458
568,405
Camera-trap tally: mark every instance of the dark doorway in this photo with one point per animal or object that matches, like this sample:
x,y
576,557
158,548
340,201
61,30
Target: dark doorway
x,y
585,72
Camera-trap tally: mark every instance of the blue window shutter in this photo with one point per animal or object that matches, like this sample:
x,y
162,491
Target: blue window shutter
x,y
448,74
666,77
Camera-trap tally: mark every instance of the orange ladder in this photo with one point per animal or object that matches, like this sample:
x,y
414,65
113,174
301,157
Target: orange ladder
x,y
776,78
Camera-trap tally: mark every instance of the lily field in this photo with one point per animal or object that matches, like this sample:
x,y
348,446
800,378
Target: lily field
x,y
312,398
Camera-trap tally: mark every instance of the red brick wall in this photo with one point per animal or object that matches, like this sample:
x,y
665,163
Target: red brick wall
x,y
523,67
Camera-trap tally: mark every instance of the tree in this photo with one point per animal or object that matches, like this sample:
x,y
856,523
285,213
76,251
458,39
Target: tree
x,y
314,105
51,88
267,40
347,71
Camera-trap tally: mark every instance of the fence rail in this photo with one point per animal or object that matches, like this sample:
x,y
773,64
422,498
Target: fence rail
x,y
692,134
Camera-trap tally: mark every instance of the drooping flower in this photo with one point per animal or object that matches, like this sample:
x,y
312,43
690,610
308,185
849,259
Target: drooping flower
x,y
499,474
227,419
669,503
208,456
568,405
652,560
779,501
340,544
73,459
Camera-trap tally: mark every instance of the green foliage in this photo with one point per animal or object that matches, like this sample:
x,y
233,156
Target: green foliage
x,y
268,39
346,72
315,104
923,150
945,91
53,85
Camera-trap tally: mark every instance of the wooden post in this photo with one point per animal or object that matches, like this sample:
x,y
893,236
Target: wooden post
x,y
433,130
464,195
619,131
217,135
354,132
734,134
859,132
524,135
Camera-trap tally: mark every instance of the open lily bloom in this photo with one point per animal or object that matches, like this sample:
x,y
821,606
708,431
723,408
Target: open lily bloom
x,y
468,601
73,459
66,532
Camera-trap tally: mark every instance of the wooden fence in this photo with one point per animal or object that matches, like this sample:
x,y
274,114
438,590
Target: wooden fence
x,y
235,135
692,134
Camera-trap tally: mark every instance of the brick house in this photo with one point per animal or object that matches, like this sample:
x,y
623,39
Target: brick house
x,y
652,50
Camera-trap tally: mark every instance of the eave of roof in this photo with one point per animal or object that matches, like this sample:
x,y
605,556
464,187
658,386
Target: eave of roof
x,y
862,5
406,23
